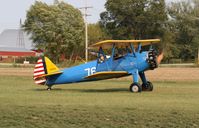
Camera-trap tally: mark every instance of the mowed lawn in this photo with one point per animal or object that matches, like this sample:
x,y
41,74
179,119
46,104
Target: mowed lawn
x,y
103,104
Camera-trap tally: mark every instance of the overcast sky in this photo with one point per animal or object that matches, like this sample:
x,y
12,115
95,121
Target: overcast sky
x,y
12,10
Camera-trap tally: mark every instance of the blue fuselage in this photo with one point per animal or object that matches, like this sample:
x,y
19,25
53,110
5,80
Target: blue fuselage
x,y
127,63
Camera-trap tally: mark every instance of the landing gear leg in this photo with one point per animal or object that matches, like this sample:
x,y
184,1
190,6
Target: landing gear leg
x,y
146,85
49,88
135,86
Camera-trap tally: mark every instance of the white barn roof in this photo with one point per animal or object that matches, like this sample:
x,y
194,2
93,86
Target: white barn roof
x,y
10,38
13,49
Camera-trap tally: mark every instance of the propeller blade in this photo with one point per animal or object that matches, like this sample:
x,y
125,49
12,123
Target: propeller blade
x,y
160,57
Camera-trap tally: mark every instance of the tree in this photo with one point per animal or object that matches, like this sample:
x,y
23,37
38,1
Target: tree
x,y
185,17
138,19
57,28
96,33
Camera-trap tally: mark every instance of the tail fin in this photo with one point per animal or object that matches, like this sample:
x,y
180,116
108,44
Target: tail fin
x,y
44,67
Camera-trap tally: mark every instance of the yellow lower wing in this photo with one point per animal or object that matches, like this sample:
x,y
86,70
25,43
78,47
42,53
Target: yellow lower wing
x,y
107,75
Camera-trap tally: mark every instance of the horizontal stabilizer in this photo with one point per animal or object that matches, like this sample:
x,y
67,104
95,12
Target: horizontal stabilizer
x,y
53,73
107,75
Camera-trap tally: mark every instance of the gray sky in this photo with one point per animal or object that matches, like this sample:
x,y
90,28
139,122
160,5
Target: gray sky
x,y
12,10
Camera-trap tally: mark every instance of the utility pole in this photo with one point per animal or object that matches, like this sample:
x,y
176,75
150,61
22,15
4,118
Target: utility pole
x,y
86,27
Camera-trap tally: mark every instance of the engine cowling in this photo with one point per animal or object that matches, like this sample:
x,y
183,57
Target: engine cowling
x,y
152,59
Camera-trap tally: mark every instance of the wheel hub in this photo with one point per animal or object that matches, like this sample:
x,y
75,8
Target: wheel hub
x,y
135,88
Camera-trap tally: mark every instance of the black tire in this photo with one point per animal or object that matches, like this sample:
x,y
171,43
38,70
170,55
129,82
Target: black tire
x,y
147,87
135,87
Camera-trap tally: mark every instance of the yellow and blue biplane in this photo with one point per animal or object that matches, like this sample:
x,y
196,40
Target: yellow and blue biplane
x,y
126,58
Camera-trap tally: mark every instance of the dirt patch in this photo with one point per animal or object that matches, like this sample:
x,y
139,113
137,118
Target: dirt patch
x,y
16,71
172,74
159,74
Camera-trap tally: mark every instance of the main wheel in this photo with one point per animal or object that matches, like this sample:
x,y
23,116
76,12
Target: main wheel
x,y
135,87
147,87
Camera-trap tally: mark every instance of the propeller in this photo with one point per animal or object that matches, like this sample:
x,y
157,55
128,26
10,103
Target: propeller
x,y
160,57
154,58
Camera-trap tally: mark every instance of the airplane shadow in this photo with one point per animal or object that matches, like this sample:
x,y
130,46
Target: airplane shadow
x,y
109,90
43,89
100,90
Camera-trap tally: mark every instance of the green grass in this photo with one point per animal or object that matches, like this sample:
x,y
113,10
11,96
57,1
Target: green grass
x,y
102,104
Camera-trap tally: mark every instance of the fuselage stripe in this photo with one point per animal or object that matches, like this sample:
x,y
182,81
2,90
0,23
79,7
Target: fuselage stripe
x,y
38,69
38,76
39,73
38,65
39,61
40,81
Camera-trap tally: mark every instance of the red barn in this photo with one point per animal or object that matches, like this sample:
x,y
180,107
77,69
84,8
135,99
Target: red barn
x,y
18,52
8,53
14,43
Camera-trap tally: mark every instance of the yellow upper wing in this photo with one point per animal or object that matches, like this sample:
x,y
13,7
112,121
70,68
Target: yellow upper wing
x,y
107,44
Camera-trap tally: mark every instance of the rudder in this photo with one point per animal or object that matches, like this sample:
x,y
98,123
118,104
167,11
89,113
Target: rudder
x,y
39,71
44,67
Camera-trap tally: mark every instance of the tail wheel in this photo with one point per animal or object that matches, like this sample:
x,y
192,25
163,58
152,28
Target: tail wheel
x,y
147,87
135,87
49,88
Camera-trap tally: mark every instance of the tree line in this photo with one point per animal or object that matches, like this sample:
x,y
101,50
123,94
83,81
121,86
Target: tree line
x,y
59,28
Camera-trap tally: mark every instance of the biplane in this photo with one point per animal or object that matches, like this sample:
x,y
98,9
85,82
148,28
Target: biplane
x,y
126,58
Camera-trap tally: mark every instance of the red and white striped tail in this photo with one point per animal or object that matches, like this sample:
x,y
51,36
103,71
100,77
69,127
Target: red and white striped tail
x,y
39,71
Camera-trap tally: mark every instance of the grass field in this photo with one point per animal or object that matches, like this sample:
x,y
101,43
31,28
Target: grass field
x,y
97,104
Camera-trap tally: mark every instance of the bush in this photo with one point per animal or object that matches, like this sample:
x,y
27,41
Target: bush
x,y
31,59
